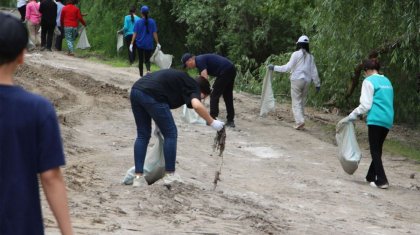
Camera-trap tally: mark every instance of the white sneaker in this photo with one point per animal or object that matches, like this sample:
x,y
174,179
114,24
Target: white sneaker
x,y
139,181
384,186
300,126
170,178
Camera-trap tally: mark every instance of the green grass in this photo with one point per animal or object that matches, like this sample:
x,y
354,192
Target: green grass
x,y
399,148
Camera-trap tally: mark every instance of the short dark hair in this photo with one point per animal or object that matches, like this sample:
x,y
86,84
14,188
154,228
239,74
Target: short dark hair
x,y
303,45
13,38
204,85
371,64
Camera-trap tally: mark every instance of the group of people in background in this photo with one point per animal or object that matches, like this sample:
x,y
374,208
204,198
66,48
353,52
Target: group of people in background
x,y
53,18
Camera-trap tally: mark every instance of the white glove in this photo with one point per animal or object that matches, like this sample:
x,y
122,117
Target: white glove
x,y
217,125
158,46
131,47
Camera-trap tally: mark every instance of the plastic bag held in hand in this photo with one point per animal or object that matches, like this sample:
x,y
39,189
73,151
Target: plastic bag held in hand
x,y
217,125
131,47
158,46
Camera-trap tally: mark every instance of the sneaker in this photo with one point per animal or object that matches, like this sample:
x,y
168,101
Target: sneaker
x,y
383,186
139,181
230,124
170,178
299,126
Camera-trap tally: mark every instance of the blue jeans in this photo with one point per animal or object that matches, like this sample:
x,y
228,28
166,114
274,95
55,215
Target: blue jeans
x,y
145,108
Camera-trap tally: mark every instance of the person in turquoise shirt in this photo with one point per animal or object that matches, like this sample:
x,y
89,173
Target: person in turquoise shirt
x,y
377,100
127,30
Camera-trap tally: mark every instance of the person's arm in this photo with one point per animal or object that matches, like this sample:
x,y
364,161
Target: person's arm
x,y
204,74
55,192
314,73
155,35
366,100
81,18
62,14
28,12
287,67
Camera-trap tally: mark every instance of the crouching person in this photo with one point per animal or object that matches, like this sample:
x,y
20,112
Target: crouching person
x,y
153,97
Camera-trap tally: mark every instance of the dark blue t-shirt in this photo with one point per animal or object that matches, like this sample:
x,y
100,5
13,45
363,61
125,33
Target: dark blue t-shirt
x,y
144,39
30,144
216,65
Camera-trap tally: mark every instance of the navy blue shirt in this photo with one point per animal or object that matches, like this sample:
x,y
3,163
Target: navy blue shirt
x,y
30,144
170,86
216,65
144,39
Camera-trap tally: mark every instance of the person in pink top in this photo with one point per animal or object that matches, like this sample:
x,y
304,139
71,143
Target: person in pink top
x,y
33,19
70,17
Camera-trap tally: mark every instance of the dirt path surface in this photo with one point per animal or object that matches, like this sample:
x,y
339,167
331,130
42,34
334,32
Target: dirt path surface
x,y
275,180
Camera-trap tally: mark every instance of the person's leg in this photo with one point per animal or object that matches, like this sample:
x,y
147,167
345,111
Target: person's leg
x,y
37,35
296,93
141,56
228,96
22,11
59,39
44,31
144,126
305,90
127,40
50,35
32,35
147,55
377,135
68,35
218,89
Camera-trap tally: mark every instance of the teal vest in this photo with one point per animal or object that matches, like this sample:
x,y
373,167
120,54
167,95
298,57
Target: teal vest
x,y
382,110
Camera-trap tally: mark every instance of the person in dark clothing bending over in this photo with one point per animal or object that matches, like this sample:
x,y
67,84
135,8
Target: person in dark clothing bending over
x,y
48,9
153,97
225,72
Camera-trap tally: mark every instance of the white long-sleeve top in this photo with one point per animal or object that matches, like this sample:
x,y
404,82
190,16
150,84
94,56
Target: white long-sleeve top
x,y
366,99
301,66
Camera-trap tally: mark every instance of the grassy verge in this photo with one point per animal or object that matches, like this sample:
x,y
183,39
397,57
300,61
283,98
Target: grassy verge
x,y
400,148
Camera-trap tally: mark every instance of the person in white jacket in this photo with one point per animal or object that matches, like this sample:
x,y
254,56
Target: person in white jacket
x,y
303,71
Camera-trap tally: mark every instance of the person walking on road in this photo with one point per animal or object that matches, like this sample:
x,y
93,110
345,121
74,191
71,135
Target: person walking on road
x,y
303,71
225,72
153,97
31,151
377,100
129,22
145,30
59,38
33,19
48,9
70,17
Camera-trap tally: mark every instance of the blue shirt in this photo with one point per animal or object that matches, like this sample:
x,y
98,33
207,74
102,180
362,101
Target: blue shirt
x,y
216,65
129,24
382,110
59,8
30,144
144,38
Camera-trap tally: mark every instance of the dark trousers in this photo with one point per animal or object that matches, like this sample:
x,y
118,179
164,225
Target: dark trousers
x,y
59,39
47,34
131,55
144,55
223,86
22,11
377,135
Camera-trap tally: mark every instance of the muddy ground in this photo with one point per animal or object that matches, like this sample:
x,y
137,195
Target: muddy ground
x,y
275,180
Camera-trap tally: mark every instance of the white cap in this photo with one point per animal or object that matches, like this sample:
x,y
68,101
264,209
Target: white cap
x,y
303,39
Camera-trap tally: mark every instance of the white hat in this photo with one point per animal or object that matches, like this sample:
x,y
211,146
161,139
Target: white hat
x,y
303,39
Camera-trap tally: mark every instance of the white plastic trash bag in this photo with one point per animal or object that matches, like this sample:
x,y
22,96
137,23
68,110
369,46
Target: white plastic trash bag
x,y
83,41
120,42
57,31
349,152
164,61
267,97
192,117
154,164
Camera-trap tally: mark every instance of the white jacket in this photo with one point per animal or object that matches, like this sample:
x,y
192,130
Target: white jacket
x,y
301,66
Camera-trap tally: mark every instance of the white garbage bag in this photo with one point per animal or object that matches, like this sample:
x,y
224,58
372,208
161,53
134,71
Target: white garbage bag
x,y
267,97
57,31
192,117
164,61
154,164
120,42
349,152
83,41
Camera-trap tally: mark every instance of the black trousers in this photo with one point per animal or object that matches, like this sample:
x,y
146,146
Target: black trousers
x,y
144,55
377,135
59,39
47,34
223,86
22,11
131,55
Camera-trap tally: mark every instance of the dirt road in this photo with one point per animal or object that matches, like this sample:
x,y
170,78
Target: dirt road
x,y
275,180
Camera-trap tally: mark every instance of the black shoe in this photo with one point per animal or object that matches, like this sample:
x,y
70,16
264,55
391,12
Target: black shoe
x,y
230,124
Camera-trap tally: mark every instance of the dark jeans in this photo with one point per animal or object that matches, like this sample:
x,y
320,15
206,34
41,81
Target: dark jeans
x,y
144,55
47,34
131,55
22,11
59,39
377,135
145,108
223,85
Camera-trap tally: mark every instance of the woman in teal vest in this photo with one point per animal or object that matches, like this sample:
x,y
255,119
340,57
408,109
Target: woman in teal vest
x,y
376,100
